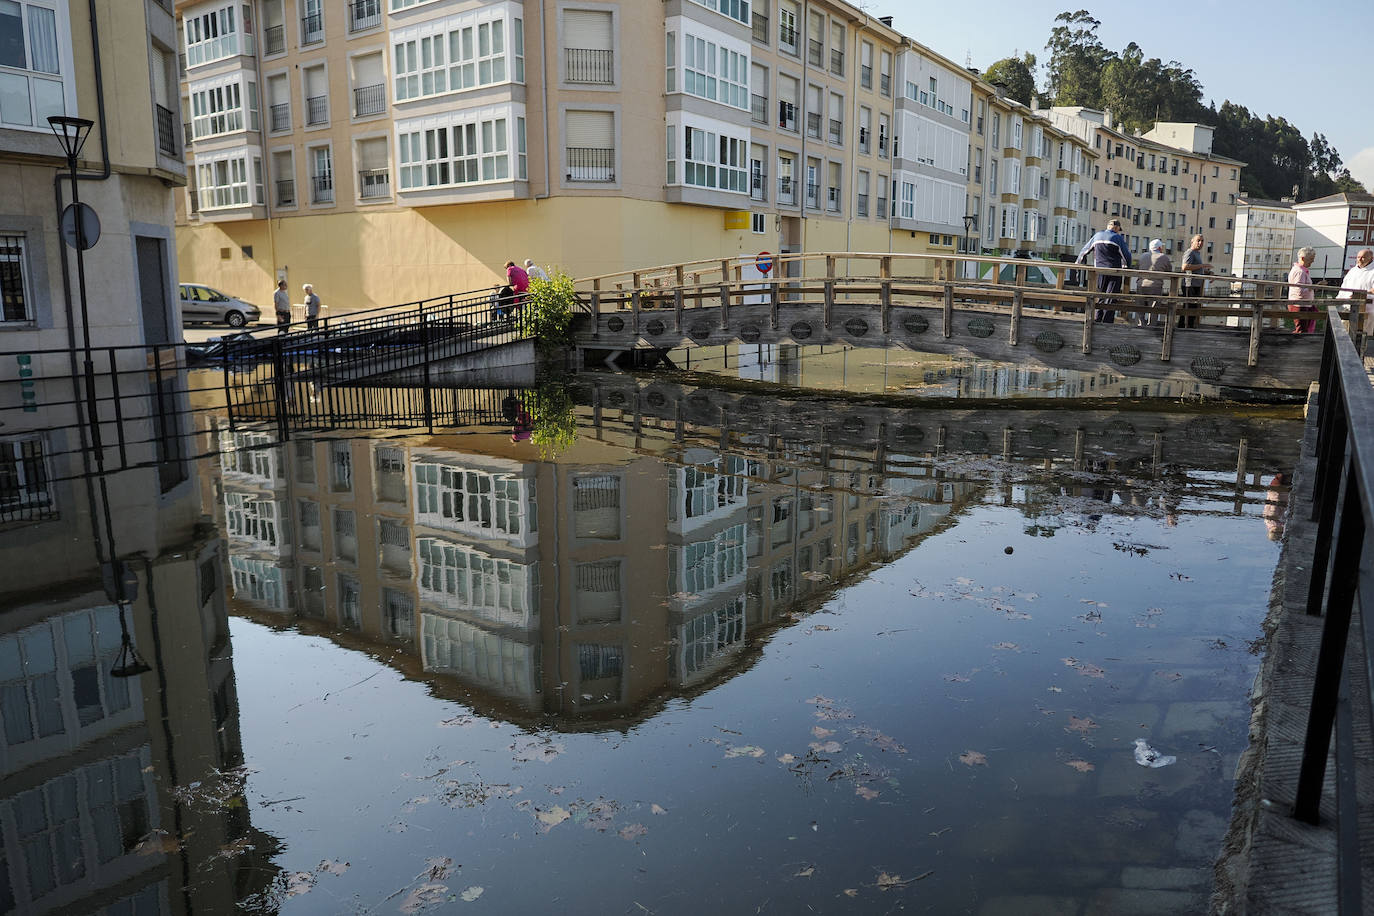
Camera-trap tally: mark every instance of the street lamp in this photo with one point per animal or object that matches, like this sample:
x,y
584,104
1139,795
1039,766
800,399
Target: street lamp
x,y
968,223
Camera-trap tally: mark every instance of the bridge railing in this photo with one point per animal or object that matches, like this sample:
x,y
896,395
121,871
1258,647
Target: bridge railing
x,y
1343,507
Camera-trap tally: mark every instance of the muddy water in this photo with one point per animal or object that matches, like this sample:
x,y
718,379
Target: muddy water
x,y
702,658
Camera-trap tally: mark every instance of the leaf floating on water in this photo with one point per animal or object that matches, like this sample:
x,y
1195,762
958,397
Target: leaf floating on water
x,y
1169,675
158,842
806,872
887,882
655,809
747,750
956,679
787,758
1007,645
633,832
534,748
818,732
552,817
813,576
1081,766
865,793
439,867
1082,726
472,893
963,580
458,722
973,758
823,628
1085,668
299,882
684,596
851,892
828,747
423,896
331,866
1055,689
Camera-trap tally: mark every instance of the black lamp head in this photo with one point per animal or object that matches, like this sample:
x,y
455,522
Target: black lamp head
x,y
71,133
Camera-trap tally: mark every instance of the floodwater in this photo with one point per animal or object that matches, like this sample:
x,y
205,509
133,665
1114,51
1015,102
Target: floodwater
x,y
709,652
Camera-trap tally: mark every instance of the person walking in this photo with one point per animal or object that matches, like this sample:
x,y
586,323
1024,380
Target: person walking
x,y
534,271
1194,268
1301,296
1154,286
281,302
312,307
1360,278
1109,252
518,281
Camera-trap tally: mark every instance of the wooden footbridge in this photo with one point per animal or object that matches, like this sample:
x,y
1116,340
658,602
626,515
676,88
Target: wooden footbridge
x,y
992,308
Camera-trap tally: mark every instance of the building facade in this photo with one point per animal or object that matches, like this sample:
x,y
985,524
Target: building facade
x,y
1336,227
1264,238
1165,184
391,150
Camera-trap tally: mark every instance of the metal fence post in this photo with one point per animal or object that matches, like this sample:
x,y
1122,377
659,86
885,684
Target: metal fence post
x,y
429,397
279,386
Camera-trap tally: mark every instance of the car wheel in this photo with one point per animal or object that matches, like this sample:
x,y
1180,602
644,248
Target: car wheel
x,y
235,319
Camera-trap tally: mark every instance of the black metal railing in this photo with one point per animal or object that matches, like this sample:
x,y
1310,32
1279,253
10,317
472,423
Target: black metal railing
x,y
815,52
787,190
758,108
591,164
813,124
374,183
274,39
1343,507
836,131
321,189
364,14
758,185
760,24
166,131
787,37
885,84
837,61
312,29
317,109
369,100
286,192
587,65
280,116
861,204
866,76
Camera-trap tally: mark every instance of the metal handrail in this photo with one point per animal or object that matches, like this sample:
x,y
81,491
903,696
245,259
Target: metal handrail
x,y
1343,507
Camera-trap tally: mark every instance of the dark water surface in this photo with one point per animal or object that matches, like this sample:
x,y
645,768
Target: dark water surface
x,y
721,653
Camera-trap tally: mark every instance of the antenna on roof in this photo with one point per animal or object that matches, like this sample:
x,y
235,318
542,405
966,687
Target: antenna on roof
x,y
968,58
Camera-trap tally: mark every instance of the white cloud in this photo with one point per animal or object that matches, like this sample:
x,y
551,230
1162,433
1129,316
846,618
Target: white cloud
x,y
1361,166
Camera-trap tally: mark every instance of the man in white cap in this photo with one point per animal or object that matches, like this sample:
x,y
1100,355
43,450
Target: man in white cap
x,y
1360,278
1153,286
534,271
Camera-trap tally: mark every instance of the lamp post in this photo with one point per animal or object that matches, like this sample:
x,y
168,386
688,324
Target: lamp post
x,y
968,223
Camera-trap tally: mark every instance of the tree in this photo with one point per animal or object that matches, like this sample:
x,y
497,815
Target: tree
x,y
1077,57
1018,75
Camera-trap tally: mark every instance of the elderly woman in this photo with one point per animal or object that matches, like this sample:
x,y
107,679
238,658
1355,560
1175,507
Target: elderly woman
x,y
1153,286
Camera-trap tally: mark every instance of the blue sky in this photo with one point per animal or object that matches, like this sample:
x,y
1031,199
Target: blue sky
x,y
1321,84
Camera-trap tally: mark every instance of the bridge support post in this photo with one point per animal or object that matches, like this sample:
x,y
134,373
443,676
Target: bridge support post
x,y
1017,303
677,307
278,370
885,293
949,311
774,292
596,308
725,306
429,395
1167,351
1256,320
828,309
635,303
1089,305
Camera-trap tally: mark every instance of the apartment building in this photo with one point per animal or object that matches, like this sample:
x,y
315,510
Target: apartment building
x,y
1165,184
1337,227
389,150
1029,181
1264,238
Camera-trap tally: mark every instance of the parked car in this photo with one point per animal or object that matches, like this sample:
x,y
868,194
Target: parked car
x,y
203,304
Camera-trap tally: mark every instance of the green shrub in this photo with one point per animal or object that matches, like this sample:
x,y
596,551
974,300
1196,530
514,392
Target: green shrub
x,y
553,423
547,313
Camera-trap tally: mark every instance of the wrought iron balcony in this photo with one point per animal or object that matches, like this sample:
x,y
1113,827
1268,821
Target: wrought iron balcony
x,y
866,76
280,115
274,39
312,29
586,164
760,23
815,52
369,100
836,131
861,204
322,189
317,109
166,131
787,190
374,183
758,107
286,192
787,38
837,61
813,124
585,65
364,14
758,185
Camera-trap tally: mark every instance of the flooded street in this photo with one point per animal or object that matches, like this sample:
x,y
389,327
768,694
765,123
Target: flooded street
x,y
669,650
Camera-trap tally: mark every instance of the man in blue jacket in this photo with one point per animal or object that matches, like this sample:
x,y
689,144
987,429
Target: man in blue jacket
x,y
1109,250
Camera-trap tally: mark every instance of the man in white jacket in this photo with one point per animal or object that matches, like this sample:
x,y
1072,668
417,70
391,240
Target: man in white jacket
x,y
1360,278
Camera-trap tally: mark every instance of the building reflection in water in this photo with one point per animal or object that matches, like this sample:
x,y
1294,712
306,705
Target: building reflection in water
x,y
99,805
593,586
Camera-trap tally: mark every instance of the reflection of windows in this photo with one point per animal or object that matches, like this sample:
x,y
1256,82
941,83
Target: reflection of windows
x,y
258,581
471,652
305,460
310,524
712,563
707,635
781,526
312,592
596,506
476,501
597,595
248,453
394,538
28,686
118,802
600,669
25,493
345,535
340,467
398,614
391,481
459,577
704,489
251,518
350,603
780,581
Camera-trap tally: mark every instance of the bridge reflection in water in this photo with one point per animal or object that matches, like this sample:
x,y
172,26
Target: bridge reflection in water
x,y
529,588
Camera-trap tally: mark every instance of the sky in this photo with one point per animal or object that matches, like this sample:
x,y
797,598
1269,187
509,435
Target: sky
x,y
1267,56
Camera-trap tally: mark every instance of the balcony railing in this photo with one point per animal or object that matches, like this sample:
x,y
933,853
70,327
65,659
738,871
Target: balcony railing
x,y
758,107
274,39
787,190
881,210
317,109
758,185
861,204
837,61
280,115
836,131
322,189
866,76
586,65
813,124
369,100
312,29
787,115
364,14
787,38
374,183
885,84
586,164
832,200
286,192
186,134
181,66
813,195
166,131
815,52
760,22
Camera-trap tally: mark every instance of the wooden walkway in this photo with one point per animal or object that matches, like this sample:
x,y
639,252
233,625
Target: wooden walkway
x,y
980,307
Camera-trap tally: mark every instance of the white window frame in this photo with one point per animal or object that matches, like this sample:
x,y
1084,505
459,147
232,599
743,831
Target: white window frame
x,y
231,25
488,144
47,92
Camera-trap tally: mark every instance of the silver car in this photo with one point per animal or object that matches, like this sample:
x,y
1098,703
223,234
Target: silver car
x,y
204,304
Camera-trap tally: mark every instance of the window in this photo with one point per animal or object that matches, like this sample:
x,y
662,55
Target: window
x,y
787,102
223,181
865,129
866,65
219,108
861,195
457,54
340,467
14,294
714,72
757,223
25,491
908,200
217,33
787,26
35,52
284,178
321,175
345,535
479,502
885,74
590,136
458,576
735,9
465,151
714,160
316,88
369,85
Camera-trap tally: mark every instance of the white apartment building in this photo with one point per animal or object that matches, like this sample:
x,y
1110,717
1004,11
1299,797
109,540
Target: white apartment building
x,y
1264,238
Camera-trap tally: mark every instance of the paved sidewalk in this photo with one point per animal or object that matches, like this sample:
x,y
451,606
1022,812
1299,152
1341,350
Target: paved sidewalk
x,y
1272,863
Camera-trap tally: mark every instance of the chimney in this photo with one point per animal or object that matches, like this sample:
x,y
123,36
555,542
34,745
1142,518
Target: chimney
x,y
973,70
1001,90
1107,117
886,20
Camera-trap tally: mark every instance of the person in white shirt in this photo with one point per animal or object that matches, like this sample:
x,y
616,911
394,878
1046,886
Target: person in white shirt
x,y
1360,278
534,270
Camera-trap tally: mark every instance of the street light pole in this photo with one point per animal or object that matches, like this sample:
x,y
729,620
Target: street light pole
x,y
968,222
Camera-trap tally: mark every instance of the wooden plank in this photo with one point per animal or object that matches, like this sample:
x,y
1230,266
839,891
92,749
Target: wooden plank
x,y
949,310
677,308
725,306
1017,302
1256,319
1088,324
1166,351
885,305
